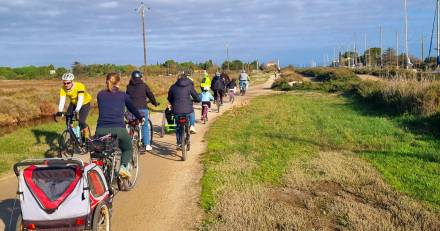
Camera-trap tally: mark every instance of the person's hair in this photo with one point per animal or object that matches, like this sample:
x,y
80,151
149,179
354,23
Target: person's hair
x,y
112,80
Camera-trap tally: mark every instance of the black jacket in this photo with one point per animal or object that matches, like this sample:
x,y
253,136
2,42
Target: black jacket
x,y
231,85
217,84
181,96
138,92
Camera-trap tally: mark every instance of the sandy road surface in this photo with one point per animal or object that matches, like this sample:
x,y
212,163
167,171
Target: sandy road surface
x,y
167,192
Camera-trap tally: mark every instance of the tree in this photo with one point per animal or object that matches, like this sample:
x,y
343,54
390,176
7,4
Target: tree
x,y
372,56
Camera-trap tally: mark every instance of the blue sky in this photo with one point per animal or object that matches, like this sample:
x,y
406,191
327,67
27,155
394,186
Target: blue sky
x,y
59,32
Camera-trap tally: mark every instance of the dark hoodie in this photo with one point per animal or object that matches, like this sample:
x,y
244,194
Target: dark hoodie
x,y
181,96
138,92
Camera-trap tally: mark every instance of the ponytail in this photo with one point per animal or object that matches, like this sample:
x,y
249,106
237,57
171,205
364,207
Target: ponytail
x,y
112,80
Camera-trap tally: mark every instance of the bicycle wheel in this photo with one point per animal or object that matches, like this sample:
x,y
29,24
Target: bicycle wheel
x,y
66,145
151,130
134,168
183,139
217,102
162,128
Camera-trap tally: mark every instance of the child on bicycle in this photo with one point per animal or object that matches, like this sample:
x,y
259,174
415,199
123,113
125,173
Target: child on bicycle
x,y
206,98
232,86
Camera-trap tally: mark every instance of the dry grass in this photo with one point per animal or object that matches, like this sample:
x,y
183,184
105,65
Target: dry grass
x,y
23,100
403,95
333,191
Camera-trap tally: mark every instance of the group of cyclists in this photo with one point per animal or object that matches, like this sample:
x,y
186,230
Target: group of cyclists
x,y
112,105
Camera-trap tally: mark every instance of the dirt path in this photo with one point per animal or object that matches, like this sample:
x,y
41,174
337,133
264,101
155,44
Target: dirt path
x,y
369,77
166,196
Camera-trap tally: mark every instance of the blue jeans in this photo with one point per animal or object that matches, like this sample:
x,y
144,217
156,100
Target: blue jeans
x,y
145,128
192,119
178,128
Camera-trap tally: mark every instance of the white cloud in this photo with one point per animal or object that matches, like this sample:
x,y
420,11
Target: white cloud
x,y
112,4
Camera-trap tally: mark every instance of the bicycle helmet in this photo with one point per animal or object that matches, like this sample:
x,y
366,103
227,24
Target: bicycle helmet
x,y
136,74
206,88
67,77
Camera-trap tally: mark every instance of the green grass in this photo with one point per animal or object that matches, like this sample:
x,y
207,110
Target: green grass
x,y
273,130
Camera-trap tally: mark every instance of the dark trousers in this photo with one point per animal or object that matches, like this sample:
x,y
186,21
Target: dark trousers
x,y
220,94
123,139
83,113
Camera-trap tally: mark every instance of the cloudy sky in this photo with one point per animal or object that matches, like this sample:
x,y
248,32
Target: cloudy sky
x,y
59,32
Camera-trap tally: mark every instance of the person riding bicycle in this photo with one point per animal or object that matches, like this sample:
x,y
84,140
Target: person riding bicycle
x,y
218,86
139,91
206,81
181,96
206,98
232,86
244,80
112,103
79,101
226,80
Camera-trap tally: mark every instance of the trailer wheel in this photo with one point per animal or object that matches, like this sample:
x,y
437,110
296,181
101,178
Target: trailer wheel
x,y
101,218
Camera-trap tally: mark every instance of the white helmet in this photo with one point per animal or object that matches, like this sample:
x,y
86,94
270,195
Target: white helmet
x,y
68,77
206,88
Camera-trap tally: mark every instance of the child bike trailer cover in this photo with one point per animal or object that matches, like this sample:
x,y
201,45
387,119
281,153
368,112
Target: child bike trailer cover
x,y
56,192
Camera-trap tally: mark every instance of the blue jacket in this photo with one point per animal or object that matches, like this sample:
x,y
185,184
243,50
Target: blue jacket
x,y
206,96
111,106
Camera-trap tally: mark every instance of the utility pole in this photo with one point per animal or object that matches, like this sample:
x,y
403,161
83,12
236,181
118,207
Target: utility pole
x,y
141,10
422,41
365,52
381,47
227,55
438,33
397,49
354,54
408,61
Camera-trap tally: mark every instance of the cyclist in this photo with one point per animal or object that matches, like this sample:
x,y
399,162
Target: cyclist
x,y
232,86
226,80
206,98
244,80
112,104
218,86
139,91
79,101
206,81
181,96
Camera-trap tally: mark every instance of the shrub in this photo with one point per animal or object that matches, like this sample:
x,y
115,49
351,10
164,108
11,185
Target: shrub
x,y
402,96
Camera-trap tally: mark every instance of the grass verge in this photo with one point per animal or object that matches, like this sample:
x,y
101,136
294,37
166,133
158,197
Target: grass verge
x,y
298,155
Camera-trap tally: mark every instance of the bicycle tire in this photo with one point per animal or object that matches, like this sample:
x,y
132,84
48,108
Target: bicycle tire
x,y
130,183
183,140
66,148
151,130
162,129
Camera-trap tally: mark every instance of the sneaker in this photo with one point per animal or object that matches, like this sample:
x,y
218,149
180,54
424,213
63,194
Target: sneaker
x,y
148,148
192,129
179,147
124,172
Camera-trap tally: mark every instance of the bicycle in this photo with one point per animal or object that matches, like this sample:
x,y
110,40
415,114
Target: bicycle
x,y
71,142
231,94
183,128
134,128
243,87
218,100
205,109
105,152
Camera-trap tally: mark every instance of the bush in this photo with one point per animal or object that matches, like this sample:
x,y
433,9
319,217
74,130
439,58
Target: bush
x,y
330,74
402,96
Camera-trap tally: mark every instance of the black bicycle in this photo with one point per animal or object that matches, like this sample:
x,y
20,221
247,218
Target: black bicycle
x,y
134,128
72,140
185,135
105,152
218,100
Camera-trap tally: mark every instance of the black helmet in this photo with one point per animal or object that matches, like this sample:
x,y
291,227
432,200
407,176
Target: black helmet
x,y
136,74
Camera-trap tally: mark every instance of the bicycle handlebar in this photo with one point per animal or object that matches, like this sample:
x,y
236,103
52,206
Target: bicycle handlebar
x,y
64,114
